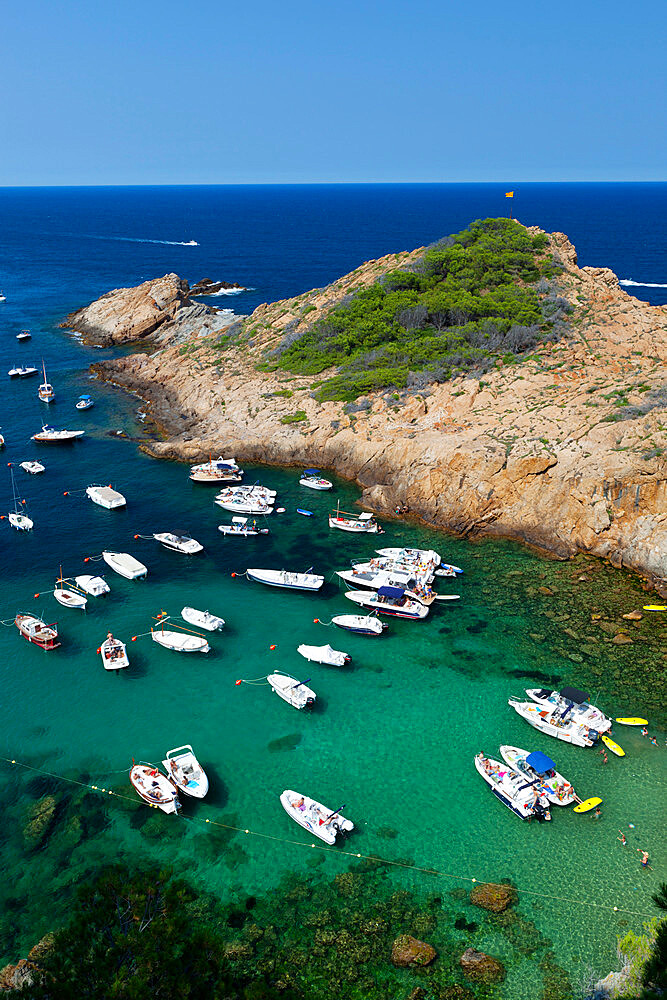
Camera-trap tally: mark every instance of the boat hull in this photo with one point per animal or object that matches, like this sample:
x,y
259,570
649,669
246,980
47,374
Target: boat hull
x,y
179,642
310,816
35,631
288,581
127,567
292,691
114,654
411,611
154,788
359,625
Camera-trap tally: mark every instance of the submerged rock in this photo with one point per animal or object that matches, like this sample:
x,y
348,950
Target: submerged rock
x,y
480,967
493,897
39,818
407,951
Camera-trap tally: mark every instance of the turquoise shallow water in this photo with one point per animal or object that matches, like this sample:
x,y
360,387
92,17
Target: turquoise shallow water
x,y
392,736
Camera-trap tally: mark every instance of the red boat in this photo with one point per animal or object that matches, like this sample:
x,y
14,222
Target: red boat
x,y
35,630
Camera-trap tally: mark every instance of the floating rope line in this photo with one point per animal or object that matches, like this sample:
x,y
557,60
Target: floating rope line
x,y
337,851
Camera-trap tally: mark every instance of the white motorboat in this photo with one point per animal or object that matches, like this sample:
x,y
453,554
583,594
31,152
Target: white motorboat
x,y
125,565
294,692
179,542
203,619
220,470
17,517
180,641
541,770
550,722
360,624
34,468
407,555
69,598
106,497
50,435
283,578
35,630
22,371
314,817
45,391
523,798
447,569
242,528
389,601
96,586
84,403
154,787
324,654
245,506
573,704
312,478
254,491
24,335
114,653
362,524
364,575
186,772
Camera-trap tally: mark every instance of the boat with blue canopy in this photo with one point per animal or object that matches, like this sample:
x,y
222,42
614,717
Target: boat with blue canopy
x,y
85,402
389,601
314,480
541,769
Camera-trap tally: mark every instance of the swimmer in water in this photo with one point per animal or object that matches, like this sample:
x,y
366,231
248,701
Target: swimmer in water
x,y
622,838
644,855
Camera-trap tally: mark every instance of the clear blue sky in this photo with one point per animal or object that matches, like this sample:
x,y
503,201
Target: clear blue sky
x,y
148,92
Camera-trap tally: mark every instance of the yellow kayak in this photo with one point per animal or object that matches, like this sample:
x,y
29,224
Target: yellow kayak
x,y
655,607
632,722
614,747
587,805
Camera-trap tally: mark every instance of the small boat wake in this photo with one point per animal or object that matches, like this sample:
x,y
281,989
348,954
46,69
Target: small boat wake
x,y
229,291
628,282
136,239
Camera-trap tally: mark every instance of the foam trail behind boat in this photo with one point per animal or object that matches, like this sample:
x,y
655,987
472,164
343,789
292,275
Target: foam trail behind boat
x,y
641,284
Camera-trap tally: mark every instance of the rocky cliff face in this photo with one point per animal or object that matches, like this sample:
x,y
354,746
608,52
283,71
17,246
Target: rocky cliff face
x,y
128,314
565,450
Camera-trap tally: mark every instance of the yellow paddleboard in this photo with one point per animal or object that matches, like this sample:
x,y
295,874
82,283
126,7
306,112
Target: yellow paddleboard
x,y
632,722
655,607
587,805
614,747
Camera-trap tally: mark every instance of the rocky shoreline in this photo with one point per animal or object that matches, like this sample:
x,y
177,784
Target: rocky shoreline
x,y
565,451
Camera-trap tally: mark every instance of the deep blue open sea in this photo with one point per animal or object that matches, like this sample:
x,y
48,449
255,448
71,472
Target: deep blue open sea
x,y
394,735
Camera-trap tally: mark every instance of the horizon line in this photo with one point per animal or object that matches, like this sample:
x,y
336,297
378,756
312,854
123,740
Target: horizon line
x,y
148,184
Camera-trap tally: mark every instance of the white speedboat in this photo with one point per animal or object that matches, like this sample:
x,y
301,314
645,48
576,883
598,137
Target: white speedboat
x,y
245,506
69,598
407,555
283,578
114,653
363,524
241,528
125,565
34,468
186,772
364,575
35,630
389,601
220,470
572,704
360,624
294,692
84,403
541,770
17,517
154,787
180,642
24,335
254,492
179,542
523,798
312,478
550,723
314,817
50,435
106,497
324,654
96,586
203,619
22,371
45,391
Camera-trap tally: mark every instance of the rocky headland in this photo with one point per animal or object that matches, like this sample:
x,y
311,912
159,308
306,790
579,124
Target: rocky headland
x,y
566,450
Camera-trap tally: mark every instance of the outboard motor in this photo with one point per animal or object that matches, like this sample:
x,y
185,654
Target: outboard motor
x,y
593,734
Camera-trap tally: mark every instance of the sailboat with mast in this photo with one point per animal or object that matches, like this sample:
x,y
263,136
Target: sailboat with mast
x,y
17,517
45,391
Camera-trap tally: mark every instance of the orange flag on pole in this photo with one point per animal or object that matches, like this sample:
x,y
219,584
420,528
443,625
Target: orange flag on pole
x,y
509,194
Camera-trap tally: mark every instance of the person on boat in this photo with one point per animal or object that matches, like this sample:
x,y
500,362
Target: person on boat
x,y
300,804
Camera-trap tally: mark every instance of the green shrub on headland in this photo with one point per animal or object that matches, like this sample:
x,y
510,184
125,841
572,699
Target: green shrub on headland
x,y
471,298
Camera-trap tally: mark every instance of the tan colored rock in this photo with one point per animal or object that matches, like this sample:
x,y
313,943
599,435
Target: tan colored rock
x,y
622,640
495,897
407,951
480,967
633,616
531,456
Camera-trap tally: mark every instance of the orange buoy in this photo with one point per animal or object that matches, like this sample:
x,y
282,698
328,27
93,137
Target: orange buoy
x,y
272,647
136,536
99,649
134,638
238,682
87,559
66,493
316,621
233,574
